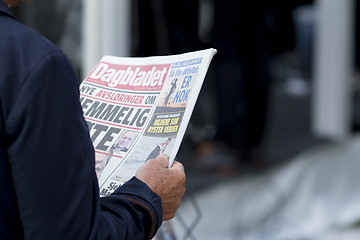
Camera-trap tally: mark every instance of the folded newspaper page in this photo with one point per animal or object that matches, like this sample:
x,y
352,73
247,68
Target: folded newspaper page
x,y
138,108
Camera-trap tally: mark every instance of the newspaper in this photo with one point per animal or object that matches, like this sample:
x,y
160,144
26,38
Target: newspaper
x,y
138,108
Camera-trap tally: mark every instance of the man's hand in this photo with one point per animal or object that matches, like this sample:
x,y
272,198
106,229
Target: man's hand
x,y
168,183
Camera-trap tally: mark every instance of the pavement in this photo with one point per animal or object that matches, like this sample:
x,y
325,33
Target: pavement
x,y
314,196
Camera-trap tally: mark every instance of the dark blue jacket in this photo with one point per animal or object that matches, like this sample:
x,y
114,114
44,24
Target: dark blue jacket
x,y
48,186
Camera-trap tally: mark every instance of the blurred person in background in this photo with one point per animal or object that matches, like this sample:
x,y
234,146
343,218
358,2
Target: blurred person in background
x,y
165,27
41,196
247,34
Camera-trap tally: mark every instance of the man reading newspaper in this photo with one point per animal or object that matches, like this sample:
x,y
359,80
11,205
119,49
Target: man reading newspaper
x,y
48,184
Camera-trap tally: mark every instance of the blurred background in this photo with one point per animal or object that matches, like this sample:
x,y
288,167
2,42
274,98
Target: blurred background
x,y
272,150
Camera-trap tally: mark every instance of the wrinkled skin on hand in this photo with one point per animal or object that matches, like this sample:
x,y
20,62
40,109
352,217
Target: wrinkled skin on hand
x,y
168,183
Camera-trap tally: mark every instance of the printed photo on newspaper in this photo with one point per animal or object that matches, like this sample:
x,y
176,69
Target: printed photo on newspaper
x,y
138,108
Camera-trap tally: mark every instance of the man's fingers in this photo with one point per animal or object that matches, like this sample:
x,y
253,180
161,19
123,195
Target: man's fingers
x,y
163,155
178,166
163,159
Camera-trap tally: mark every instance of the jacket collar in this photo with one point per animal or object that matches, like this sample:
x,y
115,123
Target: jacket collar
x,y
4,9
